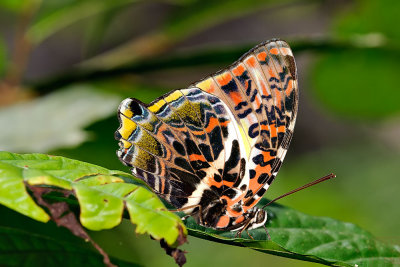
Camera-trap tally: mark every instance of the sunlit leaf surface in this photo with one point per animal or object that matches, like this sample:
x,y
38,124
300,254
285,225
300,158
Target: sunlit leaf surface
x,y
102,194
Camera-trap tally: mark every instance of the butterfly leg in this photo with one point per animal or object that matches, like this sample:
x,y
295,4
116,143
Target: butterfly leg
x,y
249,234
246,224
185,217
238,234
266,230
186,208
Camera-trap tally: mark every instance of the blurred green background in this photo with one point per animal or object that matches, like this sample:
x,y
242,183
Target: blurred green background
x,y
65,65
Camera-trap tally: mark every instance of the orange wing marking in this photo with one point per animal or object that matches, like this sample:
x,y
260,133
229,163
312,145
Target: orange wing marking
x,y
236,97
261,56
195,157
238,71
224,78
223,221
274,51
251,61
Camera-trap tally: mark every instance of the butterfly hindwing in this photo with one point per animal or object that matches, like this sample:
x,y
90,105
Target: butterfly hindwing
x,y
139,133
181,144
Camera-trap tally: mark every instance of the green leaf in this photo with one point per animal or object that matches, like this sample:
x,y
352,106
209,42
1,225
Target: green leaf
x,y
102,194
50,231
309,238
55,120
371,16
22,248
64,16
358,84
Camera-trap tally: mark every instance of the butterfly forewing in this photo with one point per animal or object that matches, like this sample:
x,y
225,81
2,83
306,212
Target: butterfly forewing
x,y
261,91
278,66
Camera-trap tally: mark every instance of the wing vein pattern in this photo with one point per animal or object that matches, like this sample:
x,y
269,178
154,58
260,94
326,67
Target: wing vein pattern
x,y
224,137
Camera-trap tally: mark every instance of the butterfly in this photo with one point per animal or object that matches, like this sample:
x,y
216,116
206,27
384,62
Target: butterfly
x,y
213,149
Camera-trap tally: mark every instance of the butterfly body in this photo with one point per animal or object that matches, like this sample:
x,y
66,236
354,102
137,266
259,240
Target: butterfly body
x,y
213,149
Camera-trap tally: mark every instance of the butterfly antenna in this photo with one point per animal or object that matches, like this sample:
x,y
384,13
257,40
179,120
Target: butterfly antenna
x,y
327,177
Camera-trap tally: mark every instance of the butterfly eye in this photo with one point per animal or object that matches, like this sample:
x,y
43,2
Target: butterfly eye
x,y
135,108
261,214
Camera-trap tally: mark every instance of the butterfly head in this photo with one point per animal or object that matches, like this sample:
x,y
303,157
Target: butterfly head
x,y
257,217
